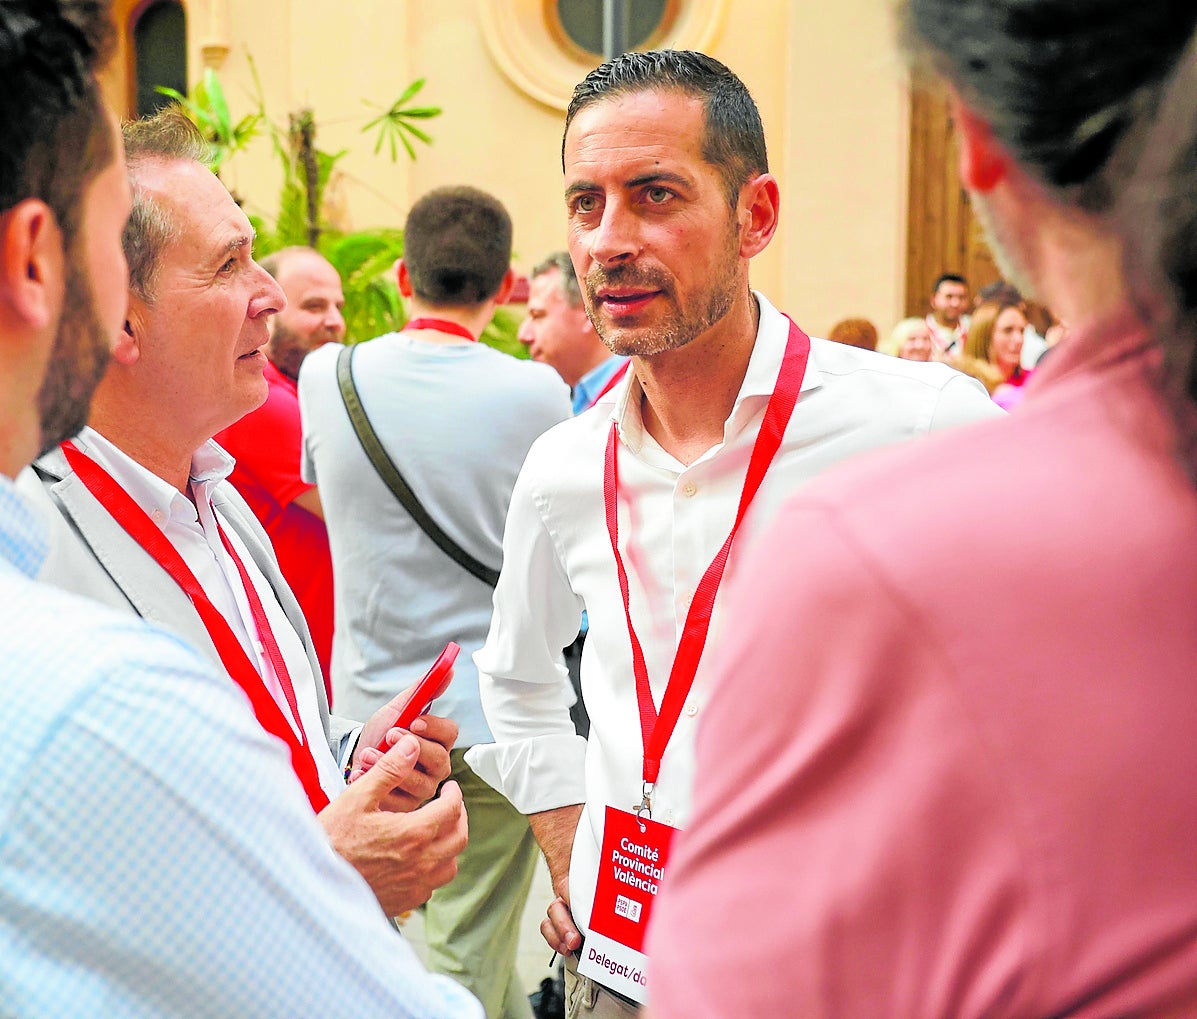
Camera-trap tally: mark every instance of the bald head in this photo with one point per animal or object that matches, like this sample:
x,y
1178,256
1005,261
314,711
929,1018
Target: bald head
x,y
313,315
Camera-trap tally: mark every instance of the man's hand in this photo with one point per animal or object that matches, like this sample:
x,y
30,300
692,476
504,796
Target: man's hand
x,y
404,857
436,735
554,830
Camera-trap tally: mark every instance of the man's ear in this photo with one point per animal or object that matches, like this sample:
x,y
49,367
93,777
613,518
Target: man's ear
x,y
983,162
505,288
404,279
758,210
32,273
127,348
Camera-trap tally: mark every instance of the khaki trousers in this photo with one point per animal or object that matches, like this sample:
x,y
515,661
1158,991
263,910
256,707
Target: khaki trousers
x,y
472,924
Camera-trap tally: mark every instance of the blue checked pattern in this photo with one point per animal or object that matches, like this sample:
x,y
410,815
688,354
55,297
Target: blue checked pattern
x,y
157,857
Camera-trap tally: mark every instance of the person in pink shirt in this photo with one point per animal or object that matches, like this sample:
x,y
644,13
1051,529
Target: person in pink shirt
x,y
945,773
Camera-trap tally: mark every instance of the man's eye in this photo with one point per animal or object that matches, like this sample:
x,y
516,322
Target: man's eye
x,y
658,195
585,203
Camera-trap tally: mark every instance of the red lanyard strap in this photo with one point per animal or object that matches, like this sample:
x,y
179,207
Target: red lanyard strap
x,y
655,729
612,382
265,631
441,325
137,523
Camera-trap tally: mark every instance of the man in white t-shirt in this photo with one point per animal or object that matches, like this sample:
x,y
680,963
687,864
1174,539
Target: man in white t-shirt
x,y
457,418
948,320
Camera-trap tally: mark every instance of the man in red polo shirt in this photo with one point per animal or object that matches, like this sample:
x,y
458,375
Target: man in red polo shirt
x,y
266,443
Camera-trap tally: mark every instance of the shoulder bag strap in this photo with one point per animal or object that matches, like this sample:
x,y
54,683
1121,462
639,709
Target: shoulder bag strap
x,y
394,480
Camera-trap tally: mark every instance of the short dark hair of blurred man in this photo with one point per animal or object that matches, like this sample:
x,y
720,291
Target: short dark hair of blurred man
x,y
267,443
964,785
948,318
158,856
558,332
457,418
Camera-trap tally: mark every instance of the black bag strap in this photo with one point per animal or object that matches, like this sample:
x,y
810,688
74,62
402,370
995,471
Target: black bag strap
x,y
394,480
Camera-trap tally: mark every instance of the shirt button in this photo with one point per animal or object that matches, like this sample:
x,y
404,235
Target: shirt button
x,y
689,488
157,516
691,710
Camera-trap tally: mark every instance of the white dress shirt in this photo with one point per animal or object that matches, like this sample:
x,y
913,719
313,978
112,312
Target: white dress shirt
x,y
673,519
191,529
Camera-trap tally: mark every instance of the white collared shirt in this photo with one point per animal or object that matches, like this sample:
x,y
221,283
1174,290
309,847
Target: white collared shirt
x,y
191,529
557,561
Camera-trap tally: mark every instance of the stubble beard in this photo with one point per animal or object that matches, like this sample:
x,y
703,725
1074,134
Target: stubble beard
x,y
1005,243
680,327
77,361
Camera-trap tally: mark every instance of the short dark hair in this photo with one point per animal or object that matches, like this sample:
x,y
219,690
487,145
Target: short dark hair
x,y
168,135
948,277
733,140
1098,102
561,261
457,246
54,132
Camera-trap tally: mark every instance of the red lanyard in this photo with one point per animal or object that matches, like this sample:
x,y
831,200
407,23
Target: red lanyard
x,y
237,664
655,729
612,382
441,325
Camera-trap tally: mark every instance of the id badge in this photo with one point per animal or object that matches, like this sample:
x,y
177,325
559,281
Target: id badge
x,y
632,862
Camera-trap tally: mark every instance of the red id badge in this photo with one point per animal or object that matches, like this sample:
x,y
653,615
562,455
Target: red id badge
x,y
633,859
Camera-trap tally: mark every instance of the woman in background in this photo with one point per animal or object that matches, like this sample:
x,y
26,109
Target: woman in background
x,y
995,337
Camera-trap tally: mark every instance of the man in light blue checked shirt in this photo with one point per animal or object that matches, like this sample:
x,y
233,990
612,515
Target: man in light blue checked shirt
x,y
157,856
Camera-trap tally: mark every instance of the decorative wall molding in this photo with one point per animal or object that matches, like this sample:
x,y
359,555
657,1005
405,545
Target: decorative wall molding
x,y
519,38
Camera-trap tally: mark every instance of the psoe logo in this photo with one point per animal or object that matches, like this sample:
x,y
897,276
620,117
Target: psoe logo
x,y
629,908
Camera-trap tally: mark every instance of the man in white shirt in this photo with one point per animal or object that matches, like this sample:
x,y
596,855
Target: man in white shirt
x,y
186,364
668,198
948,320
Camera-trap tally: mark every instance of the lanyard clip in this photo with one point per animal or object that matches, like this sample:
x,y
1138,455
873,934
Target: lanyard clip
x,y
646,803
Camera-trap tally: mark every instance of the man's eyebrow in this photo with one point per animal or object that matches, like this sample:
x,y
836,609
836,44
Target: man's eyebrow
x,y
579,187
661,177
656,177
234,244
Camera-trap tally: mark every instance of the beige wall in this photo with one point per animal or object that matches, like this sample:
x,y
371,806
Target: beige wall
x,y
826,77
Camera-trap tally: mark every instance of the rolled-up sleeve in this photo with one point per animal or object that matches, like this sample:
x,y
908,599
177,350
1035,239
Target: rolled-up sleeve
x,y
537,760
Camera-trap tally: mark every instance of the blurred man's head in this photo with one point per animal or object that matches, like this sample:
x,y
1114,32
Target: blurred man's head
x,y
949,299
456,248
312,316
63,202
557,330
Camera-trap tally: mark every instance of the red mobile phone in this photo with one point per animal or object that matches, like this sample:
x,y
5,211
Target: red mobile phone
x,y
434,683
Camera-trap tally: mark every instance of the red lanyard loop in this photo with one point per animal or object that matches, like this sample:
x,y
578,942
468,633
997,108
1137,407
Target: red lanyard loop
x,y
237,664
655,729
612,382
441,325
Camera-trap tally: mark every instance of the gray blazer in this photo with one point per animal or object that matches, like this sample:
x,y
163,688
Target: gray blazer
x,y
92,555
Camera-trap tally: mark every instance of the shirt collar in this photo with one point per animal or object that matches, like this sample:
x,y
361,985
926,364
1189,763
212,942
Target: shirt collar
x,y
591,384
209,465
764,365
24,536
